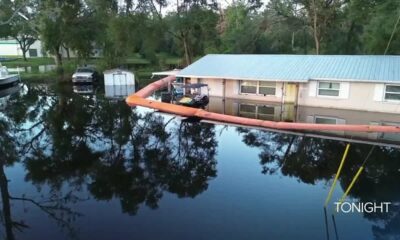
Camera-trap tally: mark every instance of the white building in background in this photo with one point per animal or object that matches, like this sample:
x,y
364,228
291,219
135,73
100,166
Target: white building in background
x,y
11,48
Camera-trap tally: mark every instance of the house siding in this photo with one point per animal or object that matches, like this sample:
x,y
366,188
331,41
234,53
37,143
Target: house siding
x,y
353,96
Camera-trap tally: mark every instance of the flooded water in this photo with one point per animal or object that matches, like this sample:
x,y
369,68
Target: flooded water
x,y
35,69
84,166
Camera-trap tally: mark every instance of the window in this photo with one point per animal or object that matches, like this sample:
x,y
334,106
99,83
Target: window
x,y
248,87
392,92
256,111
33,53
267,88
325,120
328,89
254,87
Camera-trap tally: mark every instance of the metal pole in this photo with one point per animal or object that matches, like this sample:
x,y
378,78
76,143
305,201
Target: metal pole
x,y
337,175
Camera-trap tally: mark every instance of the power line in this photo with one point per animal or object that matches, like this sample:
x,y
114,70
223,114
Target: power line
x,y
391,36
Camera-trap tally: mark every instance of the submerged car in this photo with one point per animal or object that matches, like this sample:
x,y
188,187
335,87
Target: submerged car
x,y
85,75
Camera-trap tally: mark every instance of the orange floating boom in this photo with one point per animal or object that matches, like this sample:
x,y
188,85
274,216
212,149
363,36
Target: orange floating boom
x,y
139,99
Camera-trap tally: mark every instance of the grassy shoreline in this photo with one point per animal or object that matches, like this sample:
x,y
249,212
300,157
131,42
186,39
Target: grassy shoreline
x,y
142,68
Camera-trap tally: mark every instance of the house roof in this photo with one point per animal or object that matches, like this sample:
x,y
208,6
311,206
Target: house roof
x,y
296,68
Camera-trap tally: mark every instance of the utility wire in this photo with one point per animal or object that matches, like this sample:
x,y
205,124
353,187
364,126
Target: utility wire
x,y
391,36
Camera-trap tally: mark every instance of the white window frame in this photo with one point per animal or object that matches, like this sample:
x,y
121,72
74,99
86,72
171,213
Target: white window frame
x,y
384,93
328,96
257,84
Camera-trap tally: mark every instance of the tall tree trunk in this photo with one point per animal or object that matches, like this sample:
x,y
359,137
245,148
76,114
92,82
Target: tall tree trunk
x,y
23,47
58,58
68,55
24,55
292,41
5,197
315,24
349,47
187,52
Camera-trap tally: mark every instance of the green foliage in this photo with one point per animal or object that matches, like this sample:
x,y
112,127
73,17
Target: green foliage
x,y
240,29
192,28
380,26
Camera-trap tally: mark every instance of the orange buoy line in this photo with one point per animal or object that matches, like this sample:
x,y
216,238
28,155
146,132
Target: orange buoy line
x,y
139,99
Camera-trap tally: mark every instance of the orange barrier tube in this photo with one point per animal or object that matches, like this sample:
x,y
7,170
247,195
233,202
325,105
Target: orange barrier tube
x,y
139,99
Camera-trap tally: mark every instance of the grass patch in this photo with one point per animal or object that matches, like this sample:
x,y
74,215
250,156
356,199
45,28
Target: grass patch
x,y
39,77
141,61
32,62
142,67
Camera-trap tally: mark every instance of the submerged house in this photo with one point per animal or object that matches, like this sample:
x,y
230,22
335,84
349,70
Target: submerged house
x,y
352,82
334,89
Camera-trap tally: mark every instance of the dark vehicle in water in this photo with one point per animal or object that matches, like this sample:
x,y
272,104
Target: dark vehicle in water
x,y
85,75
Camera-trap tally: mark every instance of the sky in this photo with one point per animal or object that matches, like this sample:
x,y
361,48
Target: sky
x,y
172,4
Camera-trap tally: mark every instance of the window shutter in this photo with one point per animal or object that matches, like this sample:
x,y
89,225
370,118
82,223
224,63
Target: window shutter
x,y
344,90
312,88
378,93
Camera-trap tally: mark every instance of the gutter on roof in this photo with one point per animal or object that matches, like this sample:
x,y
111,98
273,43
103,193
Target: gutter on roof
x,y
299,81
241,78
354,80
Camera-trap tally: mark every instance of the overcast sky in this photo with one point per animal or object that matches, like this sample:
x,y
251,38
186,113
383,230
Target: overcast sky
x,y
172,4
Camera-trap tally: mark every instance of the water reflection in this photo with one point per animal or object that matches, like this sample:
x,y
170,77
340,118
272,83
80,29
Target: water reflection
x,y
105,147
6,92
86,148
312,160
34,69
287,112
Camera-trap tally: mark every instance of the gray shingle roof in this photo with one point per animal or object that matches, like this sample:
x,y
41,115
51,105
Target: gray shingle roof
x,y
301,68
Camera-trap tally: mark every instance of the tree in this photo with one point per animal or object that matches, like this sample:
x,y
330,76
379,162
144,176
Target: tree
x,y
321,14
193,24
241,28
67,23
24,33
8,13
381,25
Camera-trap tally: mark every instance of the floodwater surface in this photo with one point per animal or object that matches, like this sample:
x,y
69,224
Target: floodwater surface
x,y
89,167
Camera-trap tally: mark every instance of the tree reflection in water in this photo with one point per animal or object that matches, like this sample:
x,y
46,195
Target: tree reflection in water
x,y
311,160
94,147
89,142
